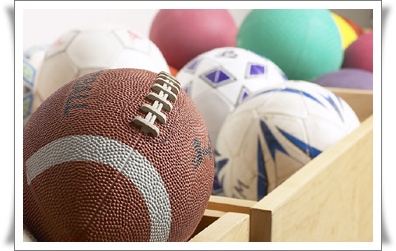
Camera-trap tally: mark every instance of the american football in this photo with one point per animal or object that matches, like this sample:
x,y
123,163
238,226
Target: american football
x,y
106,159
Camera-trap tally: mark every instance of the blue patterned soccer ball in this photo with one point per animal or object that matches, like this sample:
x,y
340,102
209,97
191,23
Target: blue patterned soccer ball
x,y
220,79
29,73
276,132
32,60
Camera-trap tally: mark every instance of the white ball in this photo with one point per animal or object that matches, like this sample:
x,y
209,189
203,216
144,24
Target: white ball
x,y
104,46
32,60
35,54
276,132
220,79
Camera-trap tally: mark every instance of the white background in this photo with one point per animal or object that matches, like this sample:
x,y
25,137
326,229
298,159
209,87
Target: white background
x,y
45,26
52,23
39,32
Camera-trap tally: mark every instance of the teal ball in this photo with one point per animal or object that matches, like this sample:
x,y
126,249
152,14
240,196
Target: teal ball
x,y
305,44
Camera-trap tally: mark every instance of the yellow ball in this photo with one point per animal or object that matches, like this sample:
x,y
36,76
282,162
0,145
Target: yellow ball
x,y
348,34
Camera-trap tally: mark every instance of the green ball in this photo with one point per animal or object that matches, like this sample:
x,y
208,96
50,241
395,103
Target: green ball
x,y
305,44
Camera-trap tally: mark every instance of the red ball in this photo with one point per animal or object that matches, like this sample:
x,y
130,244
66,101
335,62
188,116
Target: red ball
x,y
92,173
183,34
359,54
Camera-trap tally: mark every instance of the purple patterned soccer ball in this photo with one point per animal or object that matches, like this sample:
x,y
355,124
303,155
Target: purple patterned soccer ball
x,y
220,79
347,78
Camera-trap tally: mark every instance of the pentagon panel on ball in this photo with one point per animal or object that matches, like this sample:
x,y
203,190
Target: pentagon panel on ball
x,y
275,133
304,43
91,48
220,79
116,155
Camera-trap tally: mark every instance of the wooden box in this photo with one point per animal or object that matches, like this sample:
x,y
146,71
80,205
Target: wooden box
x,y
329,199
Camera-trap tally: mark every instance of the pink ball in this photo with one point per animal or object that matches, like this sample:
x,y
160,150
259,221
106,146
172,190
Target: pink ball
x,y
182,34
359,54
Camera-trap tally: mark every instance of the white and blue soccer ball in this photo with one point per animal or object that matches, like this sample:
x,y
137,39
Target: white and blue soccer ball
x,y
32,60
35,54
220,79
95,47
274,133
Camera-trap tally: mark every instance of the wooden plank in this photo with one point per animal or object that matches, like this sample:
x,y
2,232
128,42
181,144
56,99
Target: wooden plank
x,y
361,101
227,204
208,218
231,227
260,226
329,199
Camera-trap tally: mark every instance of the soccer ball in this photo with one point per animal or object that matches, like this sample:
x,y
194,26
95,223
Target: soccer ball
x,y
35,54
220,79
32,59
85,50
276,132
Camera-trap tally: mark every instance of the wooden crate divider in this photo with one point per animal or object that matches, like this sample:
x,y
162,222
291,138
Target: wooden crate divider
x,y
329,199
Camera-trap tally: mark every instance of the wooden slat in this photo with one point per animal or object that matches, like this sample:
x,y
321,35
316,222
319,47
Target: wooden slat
x,y
231,227
208,218
227,204
329,199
